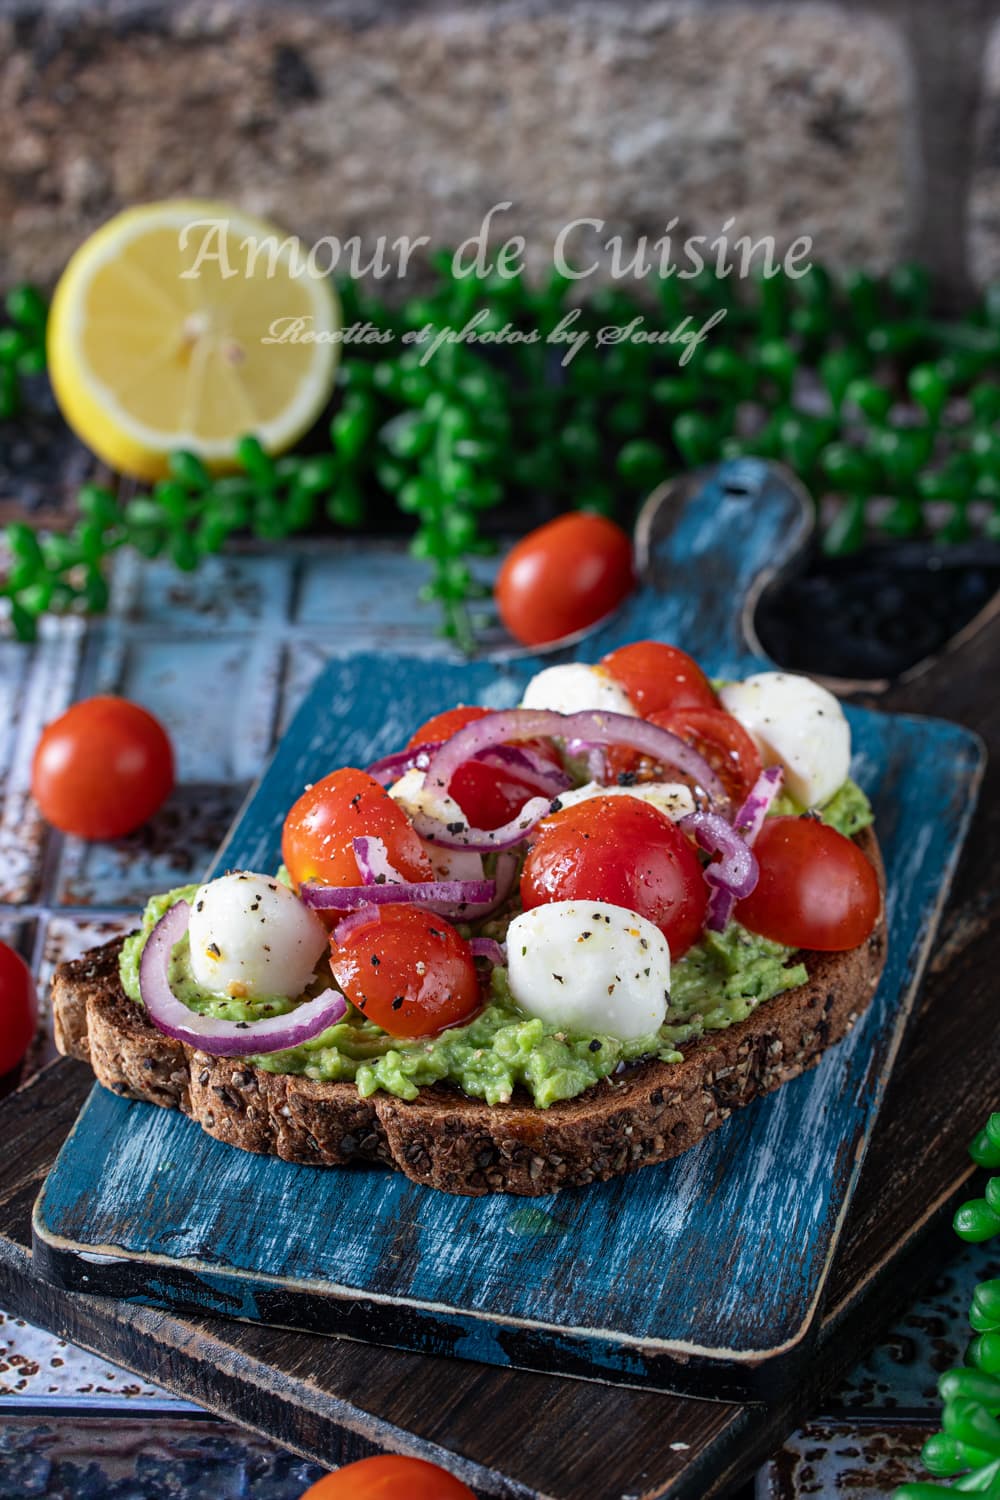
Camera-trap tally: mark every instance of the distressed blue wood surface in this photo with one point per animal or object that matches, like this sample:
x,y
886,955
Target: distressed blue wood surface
x,y
717,1259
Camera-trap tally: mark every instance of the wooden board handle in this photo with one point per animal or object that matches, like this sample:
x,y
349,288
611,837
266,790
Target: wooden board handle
x,y
707,545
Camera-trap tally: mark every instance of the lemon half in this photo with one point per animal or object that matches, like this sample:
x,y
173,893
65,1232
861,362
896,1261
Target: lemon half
x,y
186,324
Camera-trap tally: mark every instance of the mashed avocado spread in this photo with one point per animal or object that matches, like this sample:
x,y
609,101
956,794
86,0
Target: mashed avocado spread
x,y
719,982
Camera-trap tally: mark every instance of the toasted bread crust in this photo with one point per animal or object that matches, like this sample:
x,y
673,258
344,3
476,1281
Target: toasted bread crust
x,y
443,1138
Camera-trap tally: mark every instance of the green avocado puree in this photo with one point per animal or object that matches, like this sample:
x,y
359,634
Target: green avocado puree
x,y
719,982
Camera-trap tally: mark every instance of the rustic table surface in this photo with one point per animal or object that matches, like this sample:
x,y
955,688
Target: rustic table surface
x,y
259,626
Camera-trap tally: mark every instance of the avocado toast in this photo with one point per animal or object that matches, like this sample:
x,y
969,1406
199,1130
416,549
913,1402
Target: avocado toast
x,y
492,1055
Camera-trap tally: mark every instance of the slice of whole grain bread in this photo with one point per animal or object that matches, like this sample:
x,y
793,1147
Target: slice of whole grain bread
x,y
444,1139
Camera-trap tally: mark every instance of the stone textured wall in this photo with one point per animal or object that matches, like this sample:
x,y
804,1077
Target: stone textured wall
x,y
984,206
857,124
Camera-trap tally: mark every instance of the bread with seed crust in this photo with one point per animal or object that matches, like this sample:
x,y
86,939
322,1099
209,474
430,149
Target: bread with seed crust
x,y
445,1139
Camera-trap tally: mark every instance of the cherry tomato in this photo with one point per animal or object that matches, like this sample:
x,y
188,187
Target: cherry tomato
x,y
723,742
389,1477
18,1008
316,842
657,677
563,577
409,971
102,768
620,850
816,888
442,726
488,795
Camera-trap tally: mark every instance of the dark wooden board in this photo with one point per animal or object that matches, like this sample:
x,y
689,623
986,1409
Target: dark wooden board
x,y
521,1434
702,1276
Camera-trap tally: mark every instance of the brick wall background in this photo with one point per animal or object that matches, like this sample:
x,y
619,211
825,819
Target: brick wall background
x,y
873,127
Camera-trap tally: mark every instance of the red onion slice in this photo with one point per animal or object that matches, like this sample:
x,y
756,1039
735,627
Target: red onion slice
x,y
222,1038
483,947
750,818
391,767
374,865
748,822
462,899
530,768
735,874
461,836
594,727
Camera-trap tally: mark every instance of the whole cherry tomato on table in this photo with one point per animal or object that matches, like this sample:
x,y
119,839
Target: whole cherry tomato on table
x,y
389,1477
317,839
488,794
18,1008
564,577
816,888
619,850
407,970
102,769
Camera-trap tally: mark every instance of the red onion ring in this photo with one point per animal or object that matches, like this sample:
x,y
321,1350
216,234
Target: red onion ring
x,y
391,767
483,947
461,899
222,1038
359,918
594,727
735,874
461,836
456,902
748,822
532,769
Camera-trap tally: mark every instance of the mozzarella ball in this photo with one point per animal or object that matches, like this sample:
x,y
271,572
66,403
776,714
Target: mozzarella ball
x,y
252,938
670,797
798,725
576,688
414,796
588,967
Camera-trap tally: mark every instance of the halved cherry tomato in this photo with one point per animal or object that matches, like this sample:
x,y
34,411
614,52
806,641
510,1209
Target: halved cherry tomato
x,y
316,841
488,795
389,1477
409,971
102,769
723,742
657,677
18,1008
563,577
619,850
816,888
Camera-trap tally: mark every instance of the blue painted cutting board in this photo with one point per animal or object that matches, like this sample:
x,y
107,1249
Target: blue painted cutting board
x,y
704,1275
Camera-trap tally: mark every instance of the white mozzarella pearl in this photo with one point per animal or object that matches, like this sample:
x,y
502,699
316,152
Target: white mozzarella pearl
x,y
589,967
576,688
252,938
798,725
